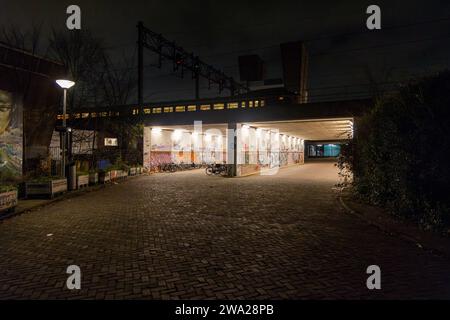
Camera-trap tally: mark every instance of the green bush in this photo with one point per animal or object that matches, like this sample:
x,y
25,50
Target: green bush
x,y
45,178
400,154
7,188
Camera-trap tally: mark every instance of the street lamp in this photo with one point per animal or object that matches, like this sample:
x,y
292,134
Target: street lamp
x,y
65,84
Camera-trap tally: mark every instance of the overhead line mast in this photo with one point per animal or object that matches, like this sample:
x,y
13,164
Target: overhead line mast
x,y
182,60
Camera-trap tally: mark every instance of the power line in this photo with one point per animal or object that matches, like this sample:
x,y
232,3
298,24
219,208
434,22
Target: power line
x,y
392,88
325,53
318,38
423,22
384,45
330,52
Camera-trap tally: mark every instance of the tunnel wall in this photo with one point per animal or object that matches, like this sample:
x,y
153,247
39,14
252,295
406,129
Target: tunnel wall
x,y
180,146
257,150
261,150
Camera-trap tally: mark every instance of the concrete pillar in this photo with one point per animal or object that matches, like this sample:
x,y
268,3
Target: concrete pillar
x,y
147,143
356,126
232,149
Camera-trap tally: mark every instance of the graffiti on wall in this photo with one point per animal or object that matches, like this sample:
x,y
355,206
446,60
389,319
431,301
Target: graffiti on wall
x,y
11,136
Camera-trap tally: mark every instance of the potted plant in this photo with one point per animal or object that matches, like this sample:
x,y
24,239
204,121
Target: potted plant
x,y
132,171
82,179
113,171
8,198
45,186
124,168
93,177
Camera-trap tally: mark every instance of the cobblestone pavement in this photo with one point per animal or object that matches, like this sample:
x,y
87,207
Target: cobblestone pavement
x,y
185,236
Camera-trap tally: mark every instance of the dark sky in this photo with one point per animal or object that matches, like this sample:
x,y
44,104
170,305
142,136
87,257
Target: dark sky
x,y
414,40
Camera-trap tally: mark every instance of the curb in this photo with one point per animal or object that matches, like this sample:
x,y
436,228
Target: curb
x,y
401,235
65,196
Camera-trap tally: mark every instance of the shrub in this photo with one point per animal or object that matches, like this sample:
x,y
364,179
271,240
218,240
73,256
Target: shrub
x,y
7,188
400,154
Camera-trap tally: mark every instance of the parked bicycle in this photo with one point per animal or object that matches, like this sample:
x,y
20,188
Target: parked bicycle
x,y
174,167
169,167
217,169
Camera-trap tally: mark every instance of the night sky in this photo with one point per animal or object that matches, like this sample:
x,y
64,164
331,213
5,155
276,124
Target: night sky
x,y
414,40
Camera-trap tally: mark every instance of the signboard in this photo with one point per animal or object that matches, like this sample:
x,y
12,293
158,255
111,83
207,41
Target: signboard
x,y
111,142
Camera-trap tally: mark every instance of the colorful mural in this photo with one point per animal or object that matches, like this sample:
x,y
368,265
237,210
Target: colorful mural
x,y
11,136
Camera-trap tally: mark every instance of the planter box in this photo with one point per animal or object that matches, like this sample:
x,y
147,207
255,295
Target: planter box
x,y
104,177
8,200
82,181
93,178
46,188
113,174
123,174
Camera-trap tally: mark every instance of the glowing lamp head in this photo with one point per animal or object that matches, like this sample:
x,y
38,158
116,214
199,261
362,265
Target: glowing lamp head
x,y
65,84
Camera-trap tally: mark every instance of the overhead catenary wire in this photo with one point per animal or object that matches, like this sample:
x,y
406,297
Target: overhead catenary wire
x,y
330,52
316,38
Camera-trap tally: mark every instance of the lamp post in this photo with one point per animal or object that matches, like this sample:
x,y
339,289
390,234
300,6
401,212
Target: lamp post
x,y
65,84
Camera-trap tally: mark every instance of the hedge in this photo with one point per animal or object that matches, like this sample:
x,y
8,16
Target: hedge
x,y
399,156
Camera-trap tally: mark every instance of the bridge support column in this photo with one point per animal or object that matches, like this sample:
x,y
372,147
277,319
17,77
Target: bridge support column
x,y
232,148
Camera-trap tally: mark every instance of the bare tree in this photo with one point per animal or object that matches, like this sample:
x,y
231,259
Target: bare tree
x,y
28,40
83,56
101,80
118,83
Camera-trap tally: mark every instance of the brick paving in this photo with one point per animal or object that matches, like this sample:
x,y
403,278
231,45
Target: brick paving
x,y
188,236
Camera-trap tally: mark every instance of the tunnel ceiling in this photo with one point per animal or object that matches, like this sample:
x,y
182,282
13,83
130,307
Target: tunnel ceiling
x,y
320,129
330,129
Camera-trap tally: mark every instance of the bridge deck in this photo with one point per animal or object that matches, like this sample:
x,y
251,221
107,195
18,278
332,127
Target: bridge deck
x,y
219,111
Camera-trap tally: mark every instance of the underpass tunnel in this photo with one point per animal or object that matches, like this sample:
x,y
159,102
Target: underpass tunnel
x,y
289,142
247,148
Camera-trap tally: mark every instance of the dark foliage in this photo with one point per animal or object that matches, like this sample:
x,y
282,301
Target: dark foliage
x,y
400,155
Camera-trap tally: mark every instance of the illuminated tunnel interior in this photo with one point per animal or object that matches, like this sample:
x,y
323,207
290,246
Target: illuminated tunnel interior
x,y
252,147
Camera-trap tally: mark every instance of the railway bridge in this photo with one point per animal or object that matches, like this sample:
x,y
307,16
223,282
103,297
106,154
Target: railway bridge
x,y
250,134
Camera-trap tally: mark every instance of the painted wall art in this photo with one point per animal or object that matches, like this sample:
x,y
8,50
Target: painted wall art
x,y
11,136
